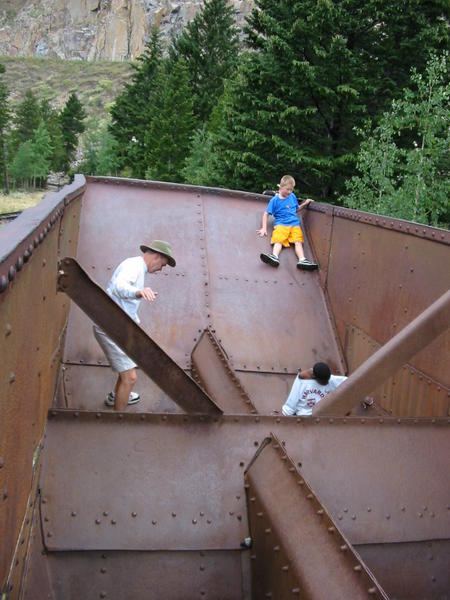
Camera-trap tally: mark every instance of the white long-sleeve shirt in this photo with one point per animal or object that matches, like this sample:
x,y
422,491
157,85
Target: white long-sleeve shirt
x,y
127,279
306,393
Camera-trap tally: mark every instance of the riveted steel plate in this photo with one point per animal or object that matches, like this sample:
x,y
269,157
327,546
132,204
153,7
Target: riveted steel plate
x,y
292,533
179,313
380,279
269,319
208,287
407,393
138,575
85,387
156,465
32,320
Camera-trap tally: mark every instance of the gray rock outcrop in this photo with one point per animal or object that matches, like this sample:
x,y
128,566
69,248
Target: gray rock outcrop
x,y
93,29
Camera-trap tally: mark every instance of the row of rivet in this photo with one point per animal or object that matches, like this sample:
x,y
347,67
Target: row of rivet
x,y
276,548
325,518
156,417
402,226
21,260
203,258
219,351
419,513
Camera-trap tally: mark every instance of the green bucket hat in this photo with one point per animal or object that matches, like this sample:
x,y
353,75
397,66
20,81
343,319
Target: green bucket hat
x,y
161,247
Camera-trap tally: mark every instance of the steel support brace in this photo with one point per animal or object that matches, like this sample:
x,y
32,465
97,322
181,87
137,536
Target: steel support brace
x,y
431,323
212,370
298,551
98,306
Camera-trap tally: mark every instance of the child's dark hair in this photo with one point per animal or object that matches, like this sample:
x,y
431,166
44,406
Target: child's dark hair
x,y
322,372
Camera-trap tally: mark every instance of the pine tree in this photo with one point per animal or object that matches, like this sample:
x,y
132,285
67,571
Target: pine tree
x,y
171,125
71,117
52,122
26,120
316,71
42,148
130,111
209,45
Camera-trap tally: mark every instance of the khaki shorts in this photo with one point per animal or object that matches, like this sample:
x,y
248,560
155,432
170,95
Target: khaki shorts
x,y
286,235
117,358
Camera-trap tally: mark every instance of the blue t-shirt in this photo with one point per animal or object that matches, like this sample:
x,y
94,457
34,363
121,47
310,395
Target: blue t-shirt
x,y
284,210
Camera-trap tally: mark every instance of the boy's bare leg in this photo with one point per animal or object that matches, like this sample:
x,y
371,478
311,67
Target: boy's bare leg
x,y
299,250
277,249
124,385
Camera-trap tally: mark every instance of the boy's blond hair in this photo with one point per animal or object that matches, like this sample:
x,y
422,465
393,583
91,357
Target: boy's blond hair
x,y
287,180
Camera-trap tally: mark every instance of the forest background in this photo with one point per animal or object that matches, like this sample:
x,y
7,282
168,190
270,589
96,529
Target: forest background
x,y
351,99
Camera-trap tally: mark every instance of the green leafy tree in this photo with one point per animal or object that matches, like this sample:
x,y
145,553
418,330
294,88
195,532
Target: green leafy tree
x,y
100,151
317,69
4,122
130,116
171,123
209,45
72,125
31,163
404,161
22,166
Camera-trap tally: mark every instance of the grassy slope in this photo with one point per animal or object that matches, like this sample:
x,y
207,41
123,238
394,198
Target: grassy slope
x,y
95,83
19,200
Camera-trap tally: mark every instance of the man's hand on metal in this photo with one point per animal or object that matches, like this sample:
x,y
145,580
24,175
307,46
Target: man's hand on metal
x,y
147,294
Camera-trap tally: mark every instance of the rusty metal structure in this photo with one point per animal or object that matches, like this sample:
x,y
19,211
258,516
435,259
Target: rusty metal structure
x,y
203,490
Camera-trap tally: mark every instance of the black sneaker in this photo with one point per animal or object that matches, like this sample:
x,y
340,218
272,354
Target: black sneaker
x,y
307,265
270,259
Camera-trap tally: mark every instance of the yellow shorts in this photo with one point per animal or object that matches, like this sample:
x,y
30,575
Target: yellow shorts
x,y
286,235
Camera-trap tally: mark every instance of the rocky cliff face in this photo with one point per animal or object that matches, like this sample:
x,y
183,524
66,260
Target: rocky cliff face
x,y
93,29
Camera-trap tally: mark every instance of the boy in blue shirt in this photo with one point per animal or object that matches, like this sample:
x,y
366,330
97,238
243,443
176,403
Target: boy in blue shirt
x,y
287,227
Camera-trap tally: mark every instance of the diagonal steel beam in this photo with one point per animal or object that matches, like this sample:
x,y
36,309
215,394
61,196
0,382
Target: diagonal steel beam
x,y
298,551
213,371
133,340
427,326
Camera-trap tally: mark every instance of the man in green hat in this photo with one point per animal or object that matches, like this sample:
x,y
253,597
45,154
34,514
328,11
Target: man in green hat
x,y
127,289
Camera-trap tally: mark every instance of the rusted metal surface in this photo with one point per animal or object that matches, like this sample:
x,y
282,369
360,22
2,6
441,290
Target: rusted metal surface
x,y
382,273
408,391
37,577
140,575
292,533
430,324
210,286
132,339
32,320
411,570
212,370
393,471
382,480
85,387
21,555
